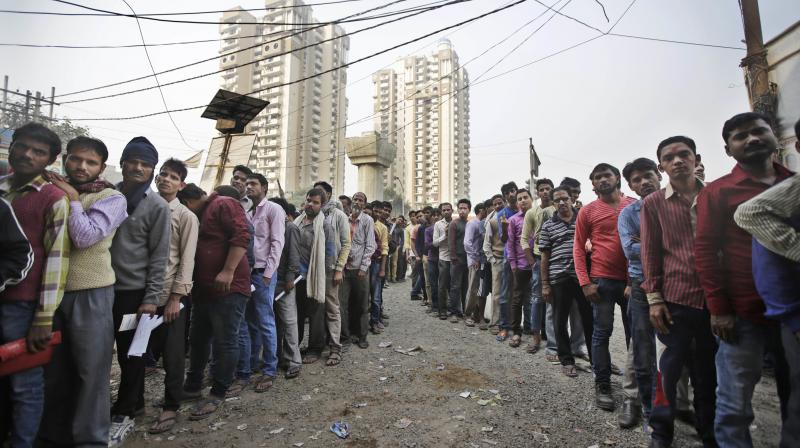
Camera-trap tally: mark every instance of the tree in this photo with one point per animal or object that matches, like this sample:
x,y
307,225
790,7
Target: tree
x,y
16,114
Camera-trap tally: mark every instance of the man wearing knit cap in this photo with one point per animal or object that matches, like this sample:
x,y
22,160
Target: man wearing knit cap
x,y
139,255
77,394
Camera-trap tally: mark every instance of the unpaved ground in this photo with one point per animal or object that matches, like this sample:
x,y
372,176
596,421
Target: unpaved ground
x,y
530,404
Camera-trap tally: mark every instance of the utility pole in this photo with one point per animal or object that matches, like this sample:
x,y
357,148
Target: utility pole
x,y
755,65
534,164
31,102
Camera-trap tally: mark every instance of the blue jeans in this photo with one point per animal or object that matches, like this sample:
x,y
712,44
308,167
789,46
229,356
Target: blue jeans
x,y
24,390
688,343
260,317
376,284
433,277
505,296
611,292
738,370
419,283
215,322
536,314
644,345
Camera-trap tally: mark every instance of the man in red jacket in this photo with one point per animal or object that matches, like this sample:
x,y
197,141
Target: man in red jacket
x,y
220,293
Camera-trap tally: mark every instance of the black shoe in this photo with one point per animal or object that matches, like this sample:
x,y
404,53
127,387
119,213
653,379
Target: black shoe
x,y
658,444
603,397
384,316
631,412
362,343
416,298
442,316
686,416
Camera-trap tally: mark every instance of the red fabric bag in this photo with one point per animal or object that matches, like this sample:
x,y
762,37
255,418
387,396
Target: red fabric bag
x,y
14,355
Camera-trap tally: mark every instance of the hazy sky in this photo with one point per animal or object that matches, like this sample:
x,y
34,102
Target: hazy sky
x,y
611,100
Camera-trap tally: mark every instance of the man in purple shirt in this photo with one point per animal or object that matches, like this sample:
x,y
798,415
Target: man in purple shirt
x,y
478,269
78,410
257,333
520,268
432,253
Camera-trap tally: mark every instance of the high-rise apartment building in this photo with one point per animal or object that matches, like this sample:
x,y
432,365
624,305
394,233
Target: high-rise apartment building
x,y
301,133
422,107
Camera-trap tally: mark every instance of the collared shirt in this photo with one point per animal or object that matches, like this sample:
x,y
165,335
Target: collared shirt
x,y
88,227
766,217
56,244
557,237
431,251
184,230
383,238
516,256
269,225
440,239
532,225
223,225
493,246
777,280
629,228
455,243
473,242
668,228
728,280
598,221
362,244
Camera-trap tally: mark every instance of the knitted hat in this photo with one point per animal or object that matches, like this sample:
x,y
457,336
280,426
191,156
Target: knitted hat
x,y
140,148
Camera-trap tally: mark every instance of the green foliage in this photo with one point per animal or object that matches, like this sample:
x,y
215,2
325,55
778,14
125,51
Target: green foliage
x,y
15,116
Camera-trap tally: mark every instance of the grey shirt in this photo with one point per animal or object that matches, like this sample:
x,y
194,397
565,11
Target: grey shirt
x,y
140,249
289,266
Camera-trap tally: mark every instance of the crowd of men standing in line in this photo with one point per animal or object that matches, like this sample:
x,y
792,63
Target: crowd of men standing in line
x,y
236,276
706,277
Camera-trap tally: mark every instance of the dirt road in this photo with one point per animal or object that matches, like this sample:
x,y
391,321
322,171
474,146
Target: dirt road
x,y
393,399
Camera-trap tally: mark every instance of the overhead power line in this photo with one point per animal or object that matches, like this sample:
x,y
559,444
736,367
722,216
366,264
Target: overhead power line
x,y
160,91
191,64
107,13
347,64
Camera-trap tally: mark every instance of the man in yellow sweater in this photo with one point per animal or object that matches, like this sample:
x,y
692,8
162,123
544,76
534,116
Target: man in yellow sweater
x,y
77,410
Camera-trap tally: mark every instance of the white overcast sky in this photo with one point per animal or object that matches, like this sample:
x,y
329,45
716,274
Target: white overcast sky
x,y
611,100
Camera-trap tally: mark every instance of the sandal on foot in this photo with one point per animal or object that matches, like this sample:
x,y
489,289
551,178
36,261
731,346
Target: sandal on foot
x,y
502,336
206,408
310,358
236,388
469,322
163,425
515,341
569,371
552,359
494,330
333,359
292,372
483,326
264,384
534,344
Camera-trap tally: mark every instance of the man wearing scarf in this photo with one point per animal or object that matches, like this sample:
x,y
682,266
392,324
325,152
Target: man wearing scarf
x,y
76,381
139,255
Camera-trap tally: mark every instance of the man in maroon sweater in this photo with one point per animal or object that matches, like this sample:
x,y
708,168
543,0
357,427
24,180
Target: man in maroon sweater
x,y
220,293
27,307
724,263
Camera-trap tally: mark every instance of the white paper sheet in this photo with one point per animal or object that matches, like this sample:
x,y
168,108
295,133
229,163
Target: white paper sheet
x,y
146,326
283,293
128,322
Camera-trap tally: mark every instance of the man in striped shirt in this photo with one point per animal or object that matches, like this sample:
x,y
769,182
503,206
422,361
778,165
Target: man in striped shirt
x,y
560,287
605,284
677,303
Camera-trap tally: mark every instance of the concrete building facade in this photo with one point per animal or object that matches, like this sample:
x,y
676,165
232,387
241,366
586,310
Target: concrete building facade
x,y
301,133
422,107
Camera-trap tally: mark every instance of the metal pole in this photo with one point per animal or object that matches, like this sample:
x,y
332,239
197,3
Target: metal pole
x,y
223,160
52,98
27,104
5,94
37,109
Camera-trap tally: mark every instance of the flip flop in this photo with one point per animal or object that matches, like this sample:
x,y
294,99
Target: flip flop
x,y
333,359
569,371
502,336
310,358
292,372
157,427
515,341
205,408
264,384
